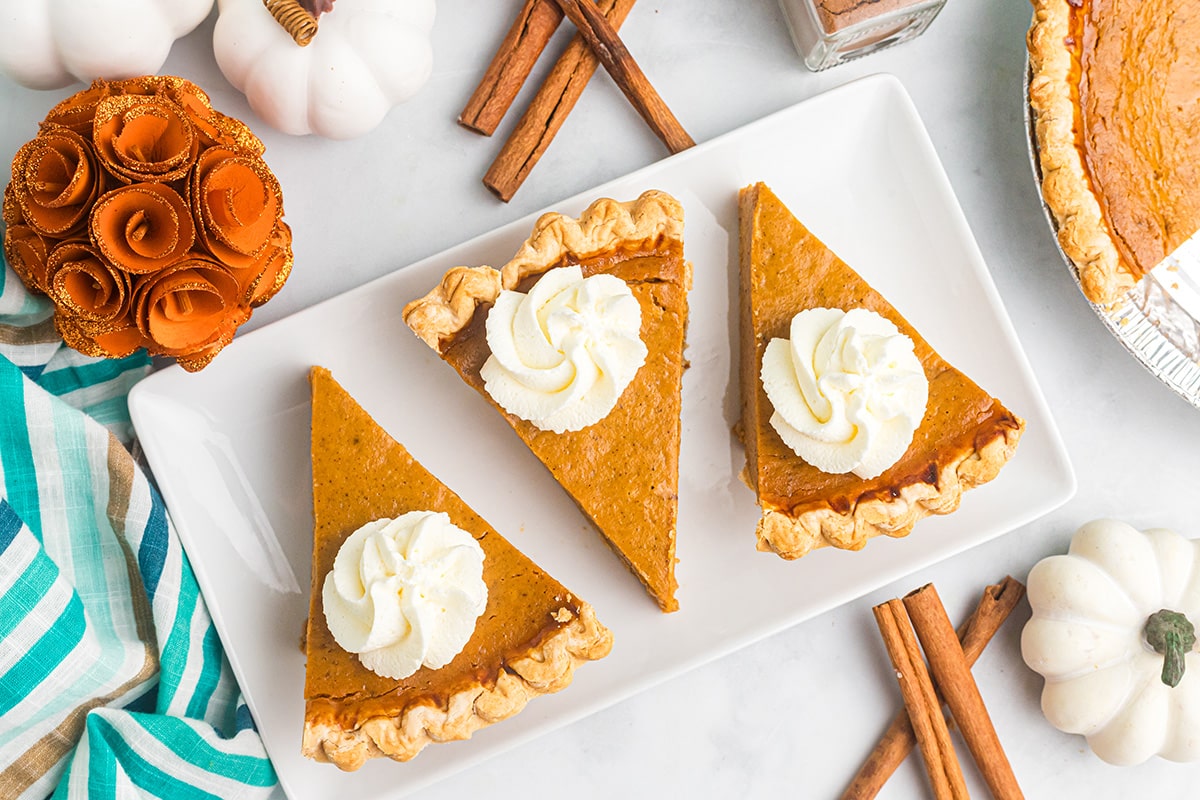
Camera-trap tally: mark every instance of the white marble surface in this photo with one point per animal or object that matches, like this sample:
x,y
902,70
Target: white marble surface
x,y
793,715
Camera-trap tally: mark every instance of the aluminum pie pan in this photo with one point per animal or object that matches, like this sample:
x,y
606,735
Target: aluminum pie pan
x,y
1158,320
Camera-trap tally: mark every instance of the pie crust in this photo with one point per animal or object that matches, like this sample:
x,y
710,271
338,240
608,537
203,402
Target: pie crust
x,y
623,471
796,534
964,439
528,641
605,226
1113,90
544,668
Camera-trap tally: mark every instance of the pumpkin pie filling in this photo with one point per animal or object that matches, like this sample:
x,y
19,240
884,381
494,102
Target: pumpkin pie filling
x,y
623,471
1139,91
655,277
1115,88
964,438
531,635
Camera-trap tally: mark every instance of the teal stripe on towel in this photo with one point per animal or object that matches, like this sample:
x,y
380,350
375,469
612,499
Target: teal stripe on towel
x,y
69,379
152,552
144,775
20,483
178,648
10,525
210,674
52,648
23,596
186,740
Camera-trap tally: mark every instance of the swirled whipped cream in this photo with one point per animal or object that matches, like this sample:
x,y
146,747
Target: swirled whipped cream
x,y
563,353
405,592
847,388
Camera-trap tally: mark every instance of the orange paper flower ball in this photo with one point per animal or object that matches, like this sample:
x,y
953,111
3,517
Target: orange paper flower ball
x,y
148,218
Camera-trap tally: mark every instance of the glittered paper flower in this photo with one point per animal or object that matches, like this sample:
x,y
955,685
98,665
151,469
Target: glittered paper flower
x,y
189,310
238,205
98,295
144,138
142,227
25,252
78,112
55,180
24,248
148,218
262,279
212,127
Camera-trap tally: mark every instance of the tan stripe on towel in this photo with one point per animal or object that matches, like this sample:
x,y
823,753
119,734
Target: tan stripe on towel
x,y
54,747
41,333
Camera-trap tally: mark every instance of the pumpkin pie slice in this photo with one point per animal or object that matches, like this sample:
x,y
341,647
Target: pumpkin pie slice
x,y
622,471
962,441
531,636
1115,88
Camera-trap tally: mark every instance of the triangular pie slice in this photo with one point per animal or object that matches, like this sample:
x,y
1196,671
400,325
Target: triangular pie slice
x,y
622,471
964,439
528,641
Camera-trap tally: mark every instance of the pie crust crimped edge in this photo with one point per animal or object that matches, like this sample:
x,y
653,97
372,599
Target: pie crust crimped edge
x,y
543,669
1082,232
604,225
819,525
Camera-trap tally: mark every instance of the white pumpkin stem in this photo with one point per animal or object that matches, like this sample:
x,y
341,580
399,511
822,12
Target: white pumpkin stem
x,y
1172,635
295,19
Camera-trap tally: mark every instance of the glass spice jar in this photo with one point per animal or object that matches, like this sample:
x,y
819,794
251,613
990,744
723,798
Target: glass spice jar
x,y
830,32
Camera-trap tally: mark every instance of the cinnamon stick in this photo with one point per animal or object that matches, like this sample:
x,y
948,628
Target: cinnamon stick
x,y
924,710
514,60
995,605
950,669
611,51
549,108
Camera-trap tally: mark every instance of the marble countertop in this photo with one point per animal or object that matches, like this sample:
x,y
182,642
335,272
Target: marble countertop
x,y
793,715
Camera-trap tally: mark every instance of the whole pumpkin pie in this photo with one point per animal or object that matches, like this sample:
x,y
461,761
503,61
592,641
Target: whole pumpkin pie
x,y
962,441
623,470
528,641
1115,87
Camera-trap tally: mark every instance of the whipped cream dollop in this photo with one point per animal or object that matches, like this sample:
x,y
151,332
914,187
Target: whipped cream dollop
x,y
405,592
563,353
847,388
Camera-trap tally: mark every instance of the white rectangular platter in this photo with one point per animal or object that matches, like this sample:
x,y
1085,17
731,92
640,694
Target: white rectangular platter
x,y
229,445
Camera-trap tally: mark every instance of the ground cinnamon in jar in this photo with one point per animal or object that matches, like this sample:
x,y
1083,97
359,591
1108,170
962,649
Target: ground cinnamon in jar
x,y
830,32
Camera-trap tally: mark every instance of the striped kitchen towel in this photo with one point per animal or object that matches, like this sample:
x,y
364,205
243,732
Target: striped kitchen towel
x,y
113,682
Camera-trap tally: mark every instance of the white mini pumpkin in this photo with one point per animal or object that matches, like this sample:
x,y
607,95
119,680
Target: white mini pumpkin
x,y
1096,611
48,44
367,56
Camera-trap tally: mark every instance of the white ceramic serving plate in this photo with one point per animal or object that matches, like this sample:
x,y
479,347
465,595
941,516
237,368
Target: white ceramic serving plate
x,y
229,445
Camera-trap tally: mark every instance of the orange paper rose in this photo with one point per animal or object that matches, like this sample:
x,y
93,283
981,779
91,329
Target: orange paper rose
x,y
24,248
143,227
265,277
55,180
148,218
144,138
99,298
190,309
26,253
238,205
